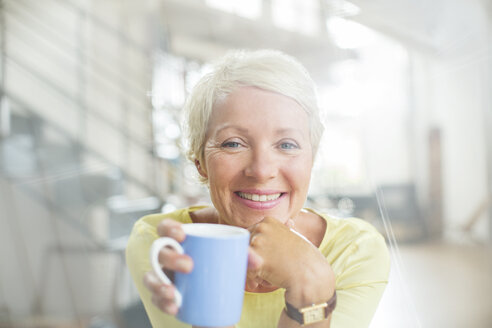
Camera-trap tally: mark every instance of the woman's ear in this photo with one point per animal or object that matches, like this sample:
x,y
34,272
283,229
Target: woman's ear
x,y
200,169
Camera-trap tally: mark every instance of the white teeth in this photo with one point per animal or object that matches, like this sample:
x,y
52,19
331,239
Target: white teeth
x,y
259,198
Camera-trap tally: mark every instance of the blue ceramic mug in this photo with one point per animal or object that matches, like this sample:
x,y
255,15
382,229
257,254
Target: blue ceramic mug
x,y
211,295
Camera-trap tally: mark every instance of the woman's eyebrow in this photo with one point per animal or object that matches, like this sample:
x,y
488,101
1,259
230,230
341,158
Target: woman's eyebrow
x,y
285,130
280,131
230,126
289,131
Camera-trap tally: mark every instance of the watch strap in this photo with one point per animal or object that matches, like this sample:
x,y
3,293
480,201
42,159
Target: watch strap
x,y
298,316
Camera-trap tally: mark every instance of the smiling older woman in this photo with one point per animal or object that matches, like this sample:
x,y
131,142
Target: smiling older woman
x,y
253,129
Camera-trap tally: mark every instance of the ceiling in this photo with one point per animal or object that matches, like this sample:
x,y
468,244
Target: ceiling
x,y
430,26
194,30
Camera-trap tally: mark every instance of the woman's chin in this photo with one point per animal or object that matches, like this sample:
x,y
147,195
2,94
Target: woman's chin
x,y
246,220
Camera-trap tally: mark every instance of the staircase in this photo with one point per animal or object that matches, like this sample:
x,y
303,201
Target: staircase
x,y
77,164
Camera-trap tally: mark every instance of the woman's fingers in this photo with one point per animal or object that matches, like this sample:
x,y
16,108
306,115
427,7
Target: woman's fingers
x,y
164,302
172,260
152,282
254,260
252,283
163,295
168,307
171,228
290,224
169,259
254,265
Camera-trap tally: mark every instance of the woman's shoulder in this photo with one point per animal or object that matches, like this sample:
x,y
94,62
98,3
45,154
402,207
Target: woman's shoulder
x,y
348,228
346,237
182,215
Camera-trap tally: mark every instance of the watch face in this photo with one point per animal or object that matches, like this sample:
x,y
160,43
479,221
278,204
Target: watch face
x,y
314,315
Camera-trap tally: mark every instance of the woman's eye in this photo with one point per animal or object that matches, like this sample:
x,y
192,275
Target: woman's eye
x,y
288,145
231,144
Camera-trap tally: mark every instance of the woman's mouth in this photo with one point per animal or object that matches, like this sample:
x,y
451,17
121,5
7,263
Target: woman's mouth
x,y
258,197
260,201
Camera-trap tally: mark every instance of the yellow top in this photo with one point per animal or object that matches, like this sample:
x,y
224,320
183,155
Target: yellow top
x,y
356,251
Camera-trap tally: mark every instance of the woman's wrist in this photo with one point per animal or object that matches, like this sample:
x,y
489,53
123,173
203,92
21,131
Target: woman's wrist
x,y
315,285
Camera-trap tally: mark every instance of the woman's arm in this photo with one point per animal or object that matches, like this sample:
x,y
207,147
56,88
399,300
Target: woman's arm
x,y
154,294
286,260
307,290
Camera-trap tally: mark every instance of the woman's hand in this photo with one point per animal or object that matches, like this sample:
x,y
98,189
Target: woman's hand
x,y
163,294
284,259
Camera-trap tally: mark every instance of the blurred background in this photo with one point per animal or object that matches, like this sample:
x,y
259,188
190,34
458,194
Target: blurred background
x,y
90,105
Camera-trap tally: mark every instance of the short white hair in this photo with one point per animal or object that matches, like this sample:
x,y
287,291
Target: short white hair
x,y
269,70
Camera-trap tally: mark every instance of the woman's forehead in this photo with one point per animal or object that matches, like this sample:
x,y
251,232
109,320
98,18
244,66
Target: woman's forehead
x,y
250,108
251,100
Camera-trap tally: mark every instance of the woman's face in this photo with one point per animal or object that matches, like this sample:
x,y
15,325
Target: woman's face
x,y
258,157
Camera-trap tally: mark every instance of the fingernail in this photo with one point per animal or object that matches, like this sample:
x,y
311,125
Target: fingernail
x,y
152,279
252,284
172,309
183,264
176,233
167,292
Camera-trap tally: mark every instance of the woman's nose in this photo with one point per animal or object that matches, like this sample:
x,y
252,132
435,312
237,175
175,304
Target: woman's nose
x,y
262,165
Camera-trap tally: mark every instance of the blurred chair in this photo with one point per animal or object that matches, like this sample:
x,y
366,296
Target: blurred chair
x,y
400,206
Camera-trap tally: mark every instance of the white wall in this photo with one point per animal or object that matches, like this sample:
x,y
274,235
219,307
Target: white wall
x,y
452,90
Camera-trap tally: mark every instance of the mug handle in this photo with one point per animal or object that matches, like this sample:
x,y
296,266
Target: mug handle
x,y
157,245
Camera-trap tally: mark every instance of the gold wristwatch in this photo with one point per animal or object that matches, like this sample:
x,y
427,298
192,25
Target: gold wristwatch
x,y
313,313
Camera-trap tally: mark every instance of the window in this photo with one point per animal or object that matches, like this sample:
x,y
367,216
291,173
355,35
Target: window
x,y
245,8
293,15
366,106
